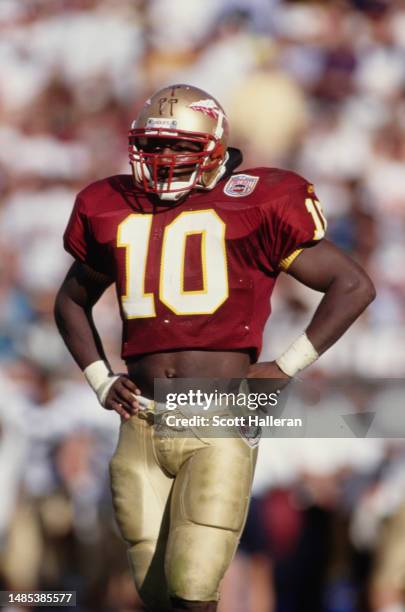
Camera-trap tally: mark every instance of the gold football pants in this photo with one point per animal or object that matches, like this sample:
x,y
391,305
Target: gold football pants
x,y
181,504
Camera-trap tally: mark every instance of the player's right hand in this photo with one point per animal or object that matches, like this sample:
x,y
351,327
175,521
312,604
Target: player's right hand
x,y
121,397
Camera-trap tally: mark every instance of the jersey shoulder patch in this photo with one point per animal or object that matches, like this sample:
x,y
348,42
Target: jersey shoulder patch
x,y
240,185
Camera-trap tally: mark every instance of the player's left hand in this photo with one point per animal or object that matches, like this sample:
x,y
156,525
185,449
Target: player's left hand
x,y
269,370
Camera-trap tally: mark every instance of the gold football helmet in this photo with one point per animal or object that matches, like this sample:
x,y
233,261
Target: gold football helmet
x,y
178,142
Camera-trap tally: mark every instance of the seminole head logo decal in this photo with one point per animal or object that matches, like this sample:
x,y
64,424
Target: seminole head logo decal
x,y
207,107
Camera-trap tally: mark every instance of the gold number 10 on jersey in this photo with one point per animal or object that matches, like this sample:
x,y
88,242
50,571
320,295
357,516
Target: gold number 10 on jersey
x,y
134,235
315,210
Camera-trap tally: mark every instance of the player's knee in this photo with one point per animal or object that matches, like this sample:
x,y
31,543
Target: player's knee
x,y
154,599
194,589
147,575
197,560
179,605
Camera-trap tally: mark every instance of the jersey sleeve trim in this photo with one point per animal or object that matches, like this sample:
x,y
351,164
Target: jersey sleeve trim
x,y
287,261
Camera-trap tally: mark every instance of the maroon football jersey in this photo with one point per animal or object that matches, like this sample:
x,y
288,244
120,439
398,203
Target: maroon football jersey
x,y
197,274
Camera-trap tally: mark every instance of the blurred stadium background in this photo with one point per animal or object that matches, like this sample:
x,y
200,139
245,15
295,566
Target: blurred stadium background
x,y
318,87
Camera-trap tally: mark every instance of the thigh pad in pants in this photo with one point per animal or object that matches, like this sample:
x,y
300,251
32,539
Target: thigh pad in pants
x,y
217,485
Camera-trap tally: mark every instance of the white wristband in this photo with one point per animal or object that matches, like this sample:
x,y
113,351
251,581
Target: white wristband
x,y
100,379
298,356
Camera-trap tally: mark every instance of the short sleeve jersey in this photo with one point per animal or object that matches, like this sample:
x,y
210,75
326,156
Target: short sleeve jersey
x,y
198,274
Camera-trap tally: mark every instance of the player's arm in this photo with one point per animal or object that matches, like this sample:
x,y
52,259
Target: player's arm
x,y
79,292
347,292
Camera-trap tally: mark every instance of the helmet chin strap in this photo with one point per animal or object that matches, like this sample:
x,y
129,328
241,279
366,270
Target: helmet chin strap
x,y
173,197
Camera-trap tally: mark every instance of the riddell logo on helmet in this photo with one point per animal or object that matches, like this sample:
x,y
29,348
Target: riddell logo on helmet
x,y
161,122
208,107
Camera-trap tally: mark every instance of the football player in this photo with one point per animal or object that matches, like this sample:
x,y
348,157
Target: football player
x,y
194,248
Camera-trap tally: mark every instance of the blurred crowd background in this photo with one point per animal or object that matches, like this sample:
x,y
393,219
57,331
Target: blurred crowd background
x,y
317,87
